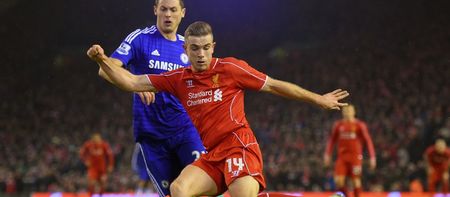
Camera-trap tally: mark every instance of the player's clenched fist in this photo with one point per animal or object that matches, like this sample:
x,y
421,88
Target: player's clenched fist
x,y
96,53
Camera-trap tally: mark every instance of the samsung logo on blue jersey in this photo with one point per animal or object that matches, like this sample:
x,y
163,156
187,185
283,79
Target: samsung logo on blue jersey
x,y
162,65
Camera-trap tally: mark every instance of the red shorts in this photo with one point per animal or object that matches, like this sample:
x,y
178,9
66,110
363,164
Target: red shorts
x,y
236,156
348,166
96,174
437,175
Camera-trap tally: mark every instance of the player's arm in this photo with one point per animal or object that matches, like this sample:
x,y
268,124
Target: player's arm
x,y
146,97
330,145
83,156
112,62
292,91
110,157
369,144
120,77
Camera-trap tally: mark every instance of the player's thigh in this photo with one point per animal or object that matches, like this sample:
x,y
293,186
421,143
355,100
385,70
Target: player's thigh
x,y
246,186
162,167
190,147
195,181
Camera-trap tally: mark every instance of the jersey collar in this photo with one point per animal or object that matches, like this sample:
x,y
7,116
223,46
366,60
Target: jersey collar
x,y
212,66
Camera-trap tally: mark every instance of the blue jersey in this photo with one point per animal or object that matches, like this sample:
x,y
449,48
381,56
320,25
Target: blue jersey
x,y
146,51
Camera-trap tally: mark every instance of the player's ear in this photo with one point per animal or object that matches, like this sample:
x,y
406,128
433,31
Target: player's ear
x,y
213,46
183,12
154,9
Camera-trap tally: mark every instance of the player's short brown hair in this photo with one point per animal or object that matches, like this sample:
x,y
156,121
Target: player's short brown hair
x,y
198,28
181,3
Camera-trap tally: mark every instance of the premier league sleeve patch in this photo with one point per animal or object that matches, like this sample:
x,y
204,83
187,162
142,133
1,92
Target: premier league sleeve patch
x,y
123,49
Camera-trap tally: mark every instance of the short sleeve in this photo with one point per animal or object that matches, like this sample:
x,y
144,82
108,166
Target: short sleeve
x,y
126,52
165,82
246,77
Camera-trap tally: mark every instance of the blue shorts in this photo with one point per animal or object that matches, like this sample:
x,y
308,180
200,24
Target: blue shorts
x,y
162,161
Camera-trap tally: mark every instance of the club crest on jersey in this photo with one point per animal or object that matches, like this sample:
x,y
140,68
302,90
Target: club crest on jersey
x,y
215,81
123,49
184,58
189,84
217,95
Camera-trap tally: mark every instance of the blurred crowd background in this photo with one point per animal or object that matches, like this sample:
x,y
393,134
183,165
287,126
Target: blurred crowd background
x,y
393,57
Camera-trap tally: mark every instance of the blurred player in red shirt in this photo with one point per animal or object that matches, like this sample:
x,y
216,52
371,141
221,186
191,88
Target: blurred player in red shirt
x,y
350,134
212,92
437,159
99,160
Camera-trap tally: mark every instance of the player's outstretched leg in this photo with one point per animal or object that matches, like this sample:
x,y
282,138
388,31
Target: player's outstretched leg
x,y
193,181
244,186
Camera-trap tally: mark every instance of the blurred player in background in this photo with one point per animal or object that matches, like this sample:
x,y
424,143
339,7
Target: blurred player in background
x,y
99,160
351,135
164,134
437,159
212,91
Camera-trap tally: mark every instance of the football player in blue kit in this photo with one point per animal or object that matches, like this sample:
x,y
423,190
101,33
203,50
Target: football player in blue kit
x,y
165,137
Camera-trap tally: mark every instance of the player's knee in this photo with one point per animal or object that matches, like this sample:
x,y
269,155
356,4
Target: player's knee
x,y
244,186
340,181
177,188
357,182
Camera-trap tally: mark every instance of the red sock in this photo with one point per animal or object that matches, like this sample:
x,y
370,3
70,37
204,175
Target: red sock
x,y
91,190
357,191
431,185
343,190
445,187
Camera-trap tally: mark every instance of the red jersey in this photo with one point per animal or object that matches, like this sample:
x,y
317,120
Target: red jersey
x,y
350,137
436,159
214,99
97,154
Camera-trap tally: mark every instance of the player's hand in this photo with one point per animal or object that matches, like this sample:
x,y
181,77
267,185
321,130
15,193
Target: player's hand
x,y
430,170
331,100
445,176
373,163
96,53
326,161
147,97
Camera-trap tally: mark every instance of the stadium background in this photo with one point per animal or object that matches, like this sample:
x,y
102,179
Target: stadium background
x,y
392,56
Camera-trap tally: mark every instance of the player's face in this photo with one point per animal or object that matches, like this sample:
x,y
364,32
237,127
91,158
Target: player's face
x,y
348,112
200,49
169,14
440,146
96,138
